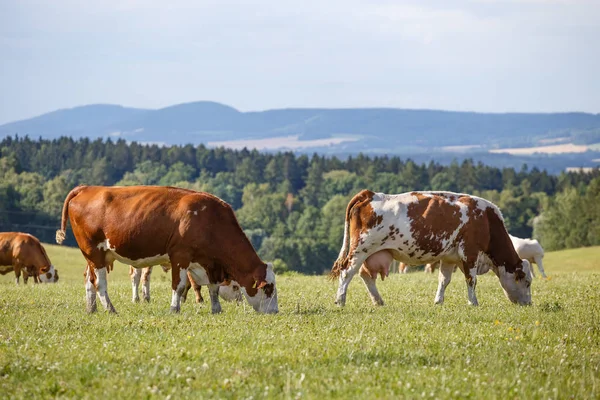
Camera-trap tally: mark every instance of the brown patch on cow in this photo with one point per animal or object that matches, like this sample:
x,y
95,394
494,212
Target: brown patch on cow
x,y
501,249
269,288
432,220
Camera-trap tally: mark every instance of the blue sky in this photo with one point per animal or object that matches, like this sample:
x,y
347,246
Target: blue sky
x,y
480,55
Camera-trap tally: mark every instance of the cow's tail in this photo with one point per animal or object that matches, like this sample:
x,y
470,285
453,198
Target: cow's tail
x,y
340,263
61,234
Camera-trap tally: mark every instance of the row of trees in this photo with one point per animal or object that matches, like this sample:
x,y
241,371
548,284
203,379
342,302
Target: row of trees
x,y
291,206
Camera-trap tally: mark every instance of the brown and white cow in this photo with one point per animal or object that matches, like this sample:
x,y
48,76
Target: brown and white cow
x,y
425,227
531,250
228,290
150,225
22,252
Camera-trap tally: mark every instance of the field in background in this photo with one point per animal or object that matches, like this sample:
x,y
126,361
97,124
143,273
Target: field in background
x,y
553,149
49,346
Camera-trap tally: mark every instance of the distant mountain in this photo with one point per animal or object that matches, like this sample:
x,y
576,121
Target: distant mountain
x,y
77,122
331,130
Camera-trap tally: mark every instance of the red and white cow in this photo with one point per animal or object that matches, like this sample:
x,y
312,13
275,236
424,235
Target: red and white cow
x,y
150,225
426,227
228,290
531,250
22,252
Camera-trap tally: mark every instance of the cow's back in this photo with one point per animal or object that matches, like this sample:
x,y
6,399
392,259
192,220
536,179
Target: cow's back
x,y
142,222
22,248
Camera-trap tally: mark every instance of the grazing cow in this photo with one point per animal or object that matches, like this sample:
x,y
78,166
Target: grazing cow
x,y
425,227
229,290
531,250
429,268
149,225
22,252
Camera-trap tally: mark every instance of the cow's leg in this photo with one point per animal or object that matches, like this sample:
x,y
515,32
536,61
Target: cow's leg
x,y
371,286
25,276
470,271
135,274
90,290
346,276
17,273
402,268
197,289
540,265
444,277
146,272
188,286
215,304
178,281
102,289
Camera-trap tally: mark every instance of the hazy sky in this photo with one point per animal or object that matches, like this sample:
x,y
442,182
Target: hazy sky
x,y
481,55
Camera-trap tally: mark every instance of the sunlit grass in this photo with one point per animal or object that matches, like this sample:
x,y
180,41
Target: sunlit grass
x,y
49,346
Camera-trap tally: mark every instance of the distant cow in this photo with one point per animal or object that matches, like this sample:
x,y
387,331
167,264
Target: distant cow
x,y
150,225
429,268
22,252
531,250
229,290
426,227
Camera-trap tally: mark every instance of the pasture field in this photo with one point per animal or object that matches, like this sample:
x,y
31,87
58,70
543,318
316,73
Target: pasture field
x,y
49,346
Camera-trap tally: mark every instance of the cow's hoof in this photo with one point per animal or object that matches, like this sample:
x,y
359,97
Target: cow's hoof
x,y
92,309
174,310
147,299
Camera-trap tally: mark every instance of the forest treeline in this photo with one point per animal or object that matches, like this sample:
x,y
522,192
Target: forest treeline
x,y
291,206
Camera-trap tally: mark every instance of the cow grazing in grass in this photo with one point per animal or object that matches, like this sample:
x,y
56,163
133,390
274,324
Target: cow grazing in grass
x,y
429,268
531,250
228,290
149,225
426,227
22,252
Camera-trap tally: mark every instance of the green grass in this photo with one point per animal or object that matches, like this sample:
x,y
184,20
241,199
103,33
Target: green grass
x,y
49,346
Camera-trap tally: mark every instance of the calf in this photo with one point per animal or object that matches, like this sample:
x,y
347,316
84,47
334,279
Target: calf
x,y
426,227
229,291
22,252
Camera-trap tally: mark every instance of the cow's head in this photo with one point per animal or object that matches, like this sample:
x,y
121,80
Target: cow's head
x,y
517,285
230,291
263,295
49,275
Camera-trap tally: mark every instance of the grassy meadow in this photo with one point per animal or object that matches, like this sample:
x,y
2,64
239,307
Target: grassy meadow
x,y
49,346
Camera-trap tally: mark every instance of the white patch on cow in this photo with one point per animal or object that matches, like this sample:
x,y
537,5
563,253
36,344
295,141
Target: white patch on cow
x,y
199,274
203,208
45,279
196,212
176,296
230,292
344,243
102,287
135,284
260,302
141,262
6,268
